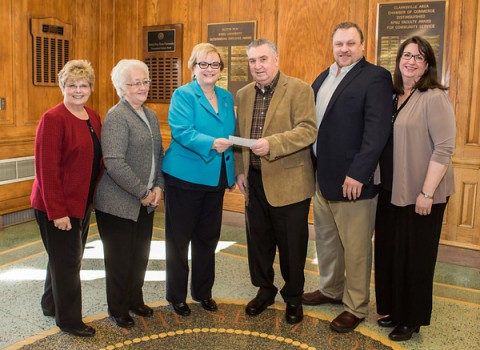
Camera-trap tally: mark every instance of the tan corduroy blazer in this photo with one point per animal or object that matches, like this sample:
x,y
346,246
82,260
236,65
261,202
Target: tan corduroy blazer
x,y
290,129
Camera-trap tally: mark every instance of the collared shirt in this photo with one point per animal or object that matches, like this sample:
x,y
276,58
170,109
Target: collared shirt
x,y
143,116
326,91
260,108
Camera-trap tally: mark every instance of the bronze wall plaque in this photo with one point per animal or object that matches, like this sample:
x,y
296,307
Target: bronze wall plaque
x,y
51,49
399,21
232,39
162,52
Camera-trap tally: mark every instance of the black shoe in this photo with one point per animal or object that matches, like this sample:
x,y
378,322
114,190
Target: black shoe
x,y
143,310
256,306
182,309
125,321
402,332
386,322
209,304
80,331
50,313
294,313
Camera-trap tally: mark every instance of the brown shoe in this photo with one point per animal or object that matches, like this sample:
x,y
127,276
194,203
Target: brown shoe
x,y
345,322
317,298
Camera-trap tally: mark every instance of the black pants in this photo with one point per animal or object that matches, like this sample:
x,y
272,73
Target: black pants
x,y
270,227
62,291
191,217
406,246
126,247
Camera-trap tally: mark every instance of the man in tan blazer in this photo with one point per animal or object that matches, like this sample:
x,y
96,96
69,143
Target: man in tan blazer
x,y
276,176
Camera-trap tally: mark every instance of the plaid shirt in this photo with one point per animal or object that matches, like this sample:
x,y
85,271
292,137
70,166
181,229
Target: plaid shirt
x,y
260,108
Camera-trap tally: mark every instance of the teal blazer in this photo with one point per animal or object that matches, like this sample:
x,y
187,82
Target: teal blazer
x,y
194,125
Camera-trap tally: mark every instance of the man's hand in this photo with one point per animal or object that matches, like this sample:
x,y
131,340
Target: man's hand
x,y
351,188
261,147
240,180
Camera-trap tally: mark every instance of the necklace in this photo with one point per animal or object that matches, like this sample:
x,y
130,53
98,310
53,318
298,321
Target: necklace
x,y
397,109
212,96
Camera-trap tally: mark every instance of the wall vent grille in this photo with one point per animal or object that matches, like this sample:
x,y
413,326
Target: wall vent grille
x,y
16,170
16,217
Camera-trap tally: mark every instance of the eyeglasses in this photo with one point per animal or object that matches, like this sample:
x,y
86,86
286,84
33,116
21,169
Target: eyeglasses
x,y
418,58
204,65
78,87
139,83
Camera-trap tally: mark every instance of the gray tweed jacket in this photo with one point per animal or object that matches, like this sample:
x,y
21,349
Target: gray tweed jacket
x,y
127,147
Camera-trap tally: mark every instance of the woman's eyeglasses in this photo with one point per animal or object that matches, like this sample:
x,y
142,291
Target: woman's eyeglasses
x,y
139,83
418,58
204,65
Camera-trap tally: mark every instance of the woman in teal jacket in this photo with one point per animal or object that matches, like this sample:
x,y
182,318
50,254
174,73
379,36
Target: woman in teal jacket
x,y
198,167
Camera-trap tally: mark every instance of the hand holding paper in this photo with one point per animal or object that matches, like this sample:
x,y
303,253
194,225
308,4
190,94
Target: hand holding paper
x,y
240,141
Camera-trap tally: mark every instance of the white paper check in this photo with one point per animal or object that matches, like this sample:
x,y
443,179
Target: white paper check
x,y
240,141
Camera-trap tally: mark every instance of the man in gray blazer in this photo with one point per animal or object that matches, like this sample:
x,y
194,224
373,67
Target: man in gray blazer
x,y
354,109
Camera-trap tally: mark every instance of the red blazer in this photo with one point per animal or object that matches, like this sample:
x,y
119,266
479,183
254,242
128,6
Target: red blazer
x,y
63,163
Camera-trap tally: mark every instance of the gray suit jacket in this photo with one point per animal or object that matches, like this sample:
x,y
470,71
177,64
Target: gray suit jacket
x,y
127,147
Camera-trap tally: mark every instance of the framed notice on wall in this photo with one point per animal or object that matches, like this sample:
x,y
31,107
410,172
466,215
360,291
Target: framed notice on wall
x,y
399,21
232,39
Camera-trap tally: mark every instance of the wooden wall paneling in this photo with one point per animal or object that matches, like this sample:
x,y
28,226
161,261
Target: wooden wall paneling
x,y
463,219
28,102
219,15
462,44
473,126
460,78
127,30
6,68
15,196
304,36
44,97
87,32
105,92
264,12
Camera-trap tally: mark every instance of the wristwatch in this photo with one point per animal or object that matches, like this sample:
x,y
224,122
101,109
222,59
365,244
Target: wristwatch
x,y
426,195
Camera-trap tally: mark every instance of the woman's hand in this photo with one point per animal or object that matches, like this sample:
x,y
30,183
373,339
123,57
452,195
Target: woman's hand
x,y
157,195
423,206
63,223
147,200
221,145
232,188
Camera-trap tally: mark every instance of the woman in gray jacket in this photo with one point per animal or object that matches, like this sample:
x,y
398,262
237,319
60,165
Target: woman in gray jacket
x,y
129,191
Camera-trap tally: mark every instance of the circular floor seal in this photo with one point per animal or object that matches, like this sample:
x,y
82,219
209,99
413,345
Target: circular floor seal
x,y
229,328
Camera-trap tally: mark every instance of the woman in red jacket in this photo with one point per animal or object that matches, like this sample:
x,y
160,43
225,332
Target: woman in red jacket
x,y
67,162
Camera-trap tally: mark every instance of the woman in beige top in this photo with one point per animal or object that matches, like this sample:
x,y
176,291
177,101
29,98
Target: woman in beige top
x,y
417,180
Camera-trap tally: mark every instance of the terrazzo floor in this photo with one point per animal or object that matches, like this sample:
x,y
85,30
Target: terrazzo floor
x,y
455,319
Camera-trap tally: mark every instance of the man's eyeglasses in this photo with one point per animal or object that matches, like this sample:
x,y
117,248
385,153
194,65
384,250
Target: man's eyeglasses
x,y
204,65
418,58
139,83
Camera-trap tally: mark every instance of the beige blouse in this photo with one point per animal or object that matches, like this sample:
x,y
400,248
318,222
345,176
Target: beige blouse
x,y
424,130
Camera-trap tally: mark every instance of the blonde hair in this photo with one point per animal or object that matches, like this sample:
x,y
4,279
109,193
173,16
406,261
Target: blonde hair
x,y
76,70
201,50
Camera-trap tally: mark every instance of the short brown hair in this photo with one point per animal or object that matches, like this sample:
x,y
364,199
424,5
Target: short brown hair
x,y
348,25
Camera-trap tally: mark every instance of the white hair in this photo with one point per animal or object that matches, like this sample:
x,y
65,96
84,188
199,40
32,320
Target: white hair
x,y
121,71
